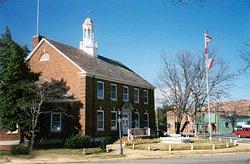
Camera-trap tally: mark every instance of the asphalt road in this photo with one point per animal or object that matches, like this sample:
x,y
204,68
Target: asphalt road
x,y
213,159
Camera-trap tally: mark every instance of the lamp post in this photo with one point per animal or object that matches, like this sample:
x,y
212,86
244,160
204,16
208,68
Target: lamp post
x,y
120,130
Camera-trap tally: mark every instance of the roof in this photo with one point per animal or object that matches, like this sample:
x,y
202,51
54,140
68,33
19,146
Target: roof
x,y
101,66
242,107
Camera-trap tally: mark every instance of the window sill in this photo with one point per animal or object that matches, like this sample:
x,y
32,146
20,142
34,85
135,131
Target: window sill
x,y
100,130
55,131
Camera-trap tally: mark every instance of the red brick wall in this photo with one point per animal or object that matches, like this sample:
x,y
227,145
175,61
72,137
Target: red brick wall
x,y
58,67
4,136
108,105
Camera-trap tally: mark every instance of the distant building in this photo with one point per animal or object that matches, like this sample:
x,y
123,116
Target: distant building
x,y
102,85
223,117
226,116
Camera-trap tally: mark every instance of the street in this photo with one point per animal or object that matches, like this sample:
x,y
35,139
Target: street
x,y
213,159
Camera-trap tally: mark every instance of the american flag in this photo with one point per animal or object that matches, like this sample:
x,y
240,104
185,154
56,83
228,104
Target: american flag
x,y
210,63
208,39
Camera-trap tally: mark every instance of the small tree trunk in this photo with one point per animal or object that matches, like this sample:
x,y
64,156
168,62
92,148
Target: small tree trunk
x,y
32,139
178,127
21,135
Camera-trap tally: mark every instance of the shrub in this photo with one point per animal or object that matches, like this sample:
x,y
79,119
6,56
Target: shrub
x,y
77,141
20,150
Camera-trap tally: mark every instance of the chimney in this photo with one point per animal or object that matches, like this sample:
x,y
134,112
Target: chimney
x,y
35,40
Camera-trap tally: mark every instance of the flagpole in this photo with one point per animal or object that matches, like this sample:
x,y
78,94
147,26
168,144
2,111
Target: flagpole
x,y
208,102
37,18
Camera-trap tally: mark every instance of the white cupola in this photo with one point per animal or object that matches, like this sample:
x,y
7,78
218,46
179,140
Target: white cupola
x,y
88,43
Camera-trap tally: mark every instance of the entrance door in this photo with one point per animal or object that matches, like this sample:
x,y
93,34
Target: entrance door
x,y
125,124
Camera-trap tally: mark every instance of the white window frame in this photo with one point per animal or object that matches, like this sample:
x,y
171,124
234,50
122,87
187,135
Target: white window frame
x,y
138,99
125,100
138,118
100,97
102,128
114,127
147,120
145,102
113,99
51,121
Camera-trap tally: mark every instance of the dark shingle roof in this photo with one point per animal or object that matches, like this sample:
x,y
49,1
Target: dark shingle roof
x,y
102,66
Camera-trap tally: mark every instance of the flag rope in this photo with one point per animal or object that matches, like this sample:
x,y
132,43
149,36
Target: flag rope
x,y
207,81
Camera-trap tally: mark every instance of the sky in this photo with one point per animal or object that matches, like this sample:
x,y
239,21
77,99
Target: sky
x,y
137,32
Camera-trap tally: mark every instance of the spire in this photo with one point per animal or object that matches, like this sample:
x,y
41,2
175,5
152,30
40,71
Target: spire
x,y
88,43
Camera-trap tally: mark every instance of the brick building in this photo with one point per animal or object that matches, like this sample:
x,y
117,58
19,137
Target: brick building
x,y
222,117
102,86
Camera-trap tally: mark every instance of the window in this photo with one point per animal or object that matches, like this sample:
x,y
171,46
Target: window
x,y
100,120
136,95
113,92
100,90
113,120
44,57
146,120
137,120
145,96
55,124
226,125
125,94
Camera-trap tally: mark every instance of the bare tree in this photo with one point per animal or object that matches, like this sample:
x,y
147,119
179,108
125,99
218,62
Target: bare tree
x,y
220,80
245,55
174,83
185,79
183,2
38,93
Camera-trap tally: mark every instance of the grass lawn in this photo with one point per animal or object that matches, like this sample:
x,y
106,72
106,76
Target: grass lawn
x,y
198,144
60,154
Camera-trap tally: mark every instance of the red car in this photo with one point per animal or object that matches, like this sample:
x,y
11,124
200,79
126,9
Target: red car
x,y
243,132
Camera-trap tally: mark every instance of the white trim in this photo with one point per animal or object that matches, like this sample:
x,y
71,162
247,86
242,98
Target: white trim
x,y
51,117
44,57
101,111
137,101
145,102
82,70
113,99
114,127
97,95
13,132
39,44
125,100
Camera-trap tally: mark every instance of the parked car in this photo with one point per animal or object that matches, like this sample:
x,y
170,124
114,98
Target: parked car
x,y
243,132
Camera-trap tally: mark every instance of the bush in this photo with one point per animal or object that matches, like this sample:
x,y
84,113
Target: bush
x,y
20,150
77,141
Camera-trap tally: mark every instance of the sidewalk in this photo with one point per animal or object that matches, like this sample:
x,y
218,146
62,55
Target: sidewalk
x,y
128,154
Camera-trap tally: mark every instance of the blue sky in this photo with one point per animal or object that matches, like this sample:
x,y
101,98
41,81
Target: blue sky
x,y
138,31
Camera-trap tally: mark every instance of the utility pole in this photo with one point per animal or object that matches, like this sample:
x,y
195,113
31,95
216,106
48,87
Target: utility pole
x,y
120,130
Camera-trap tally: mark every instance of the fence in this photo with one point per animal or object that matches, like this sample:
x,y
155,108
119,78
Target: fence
x,y
138,132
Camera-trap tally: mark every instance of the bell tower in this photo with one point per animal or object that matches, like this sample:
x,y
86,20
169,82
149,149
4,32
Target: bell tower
x,y
88,43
